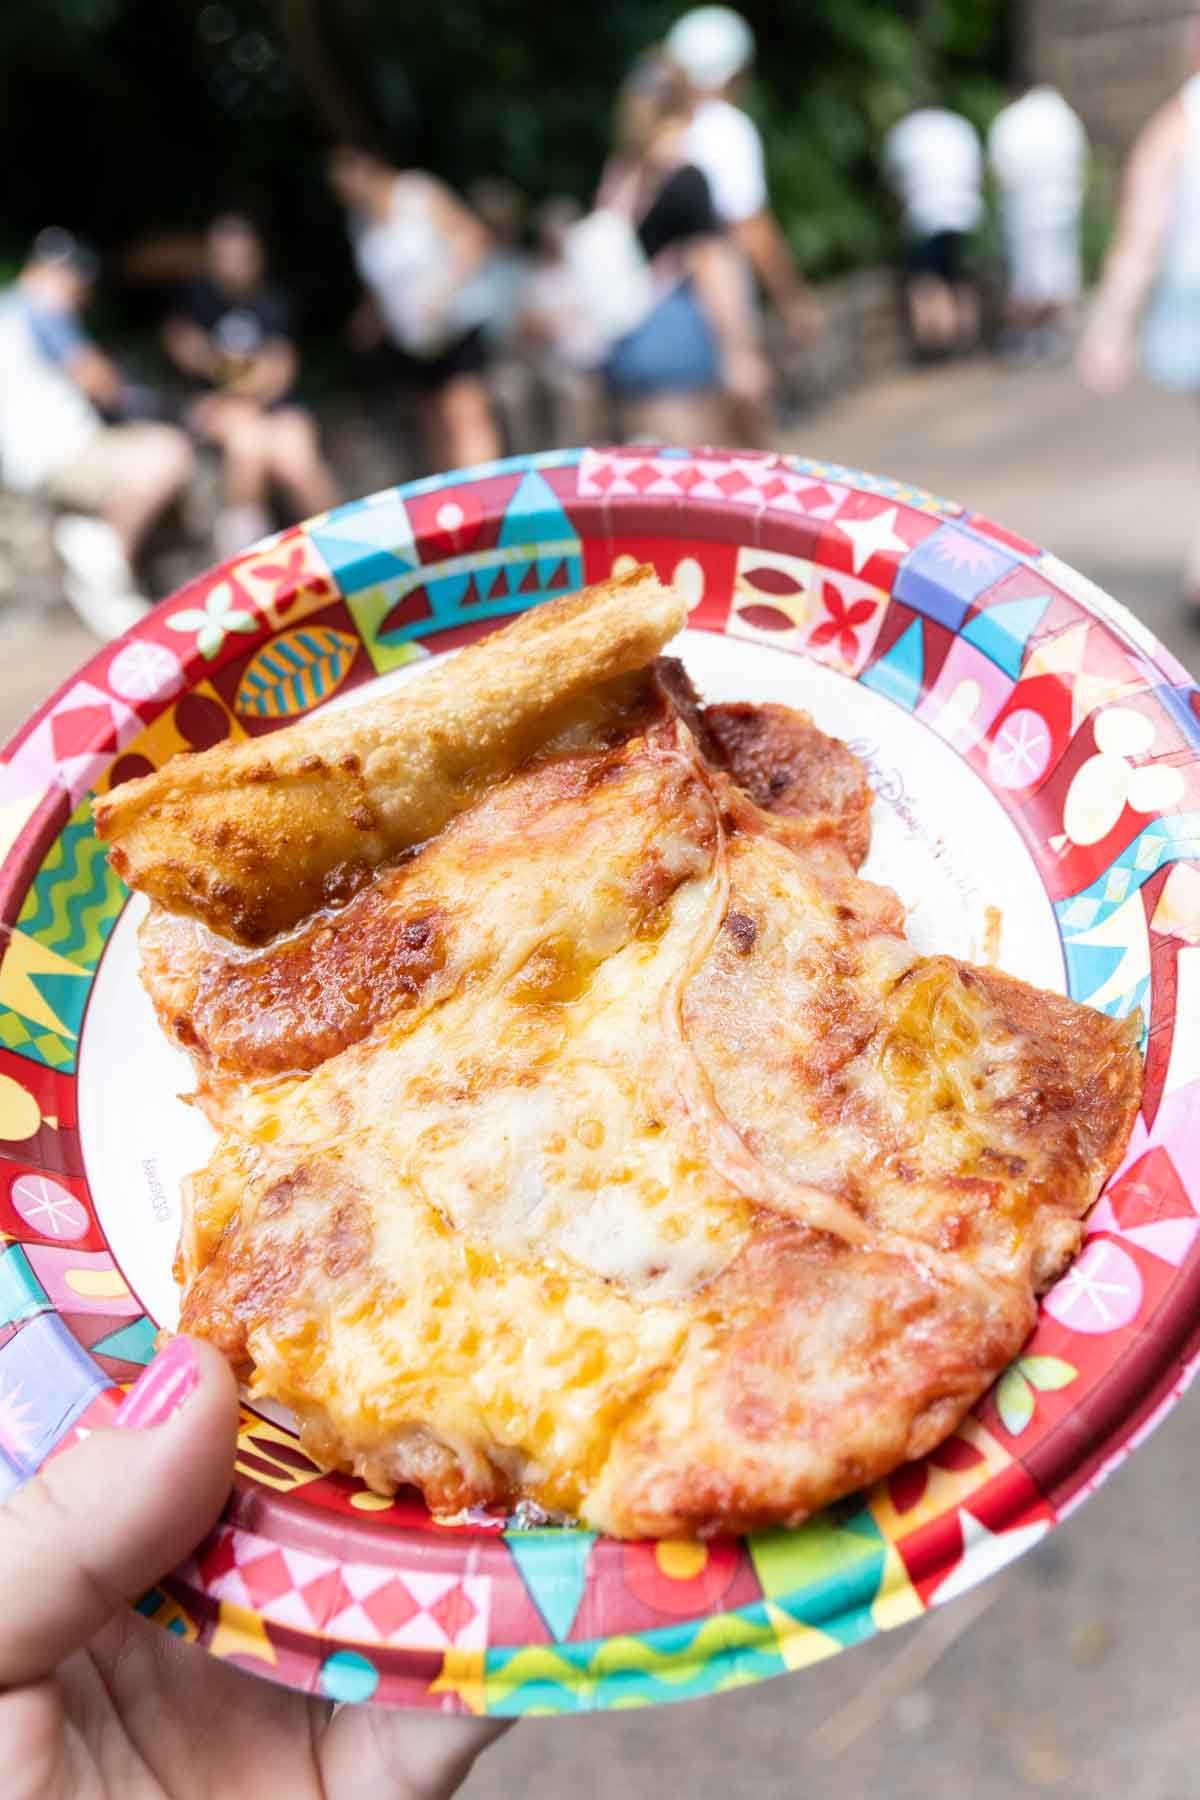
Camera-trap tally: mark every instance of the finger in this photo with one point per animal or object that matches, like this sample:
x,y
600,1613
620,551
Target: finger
x,y
417,1755
103,1522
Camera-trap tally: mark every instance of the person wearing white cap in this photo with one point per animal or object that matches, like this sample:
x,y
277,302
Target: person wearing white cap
x,y
714,47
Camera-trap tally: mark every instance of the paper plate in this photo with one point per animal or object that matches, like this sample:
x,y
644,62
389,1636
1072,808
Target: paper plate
x,y
1034,756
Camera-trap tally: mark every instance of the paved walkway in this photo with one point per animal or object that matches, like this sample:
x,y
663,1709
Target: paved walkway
x,y
1112,486
1075,1671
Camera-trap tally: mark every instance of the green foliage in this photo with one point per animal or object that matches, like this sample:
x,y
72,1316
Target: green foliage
x,y
475,85
824,117
192,104
55,28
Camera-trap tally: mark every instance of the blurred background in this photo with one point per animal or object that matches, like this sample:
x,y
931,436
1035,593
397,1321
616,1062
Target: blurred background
x,y
260,255
263,254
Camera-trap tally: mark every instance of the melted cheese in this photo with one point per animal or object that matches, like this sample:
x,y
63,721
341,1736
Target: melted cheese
x,y
667,1224
535,1184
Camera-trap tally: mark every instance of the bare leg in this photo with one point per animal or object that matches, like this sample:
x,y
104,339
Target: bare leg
x,y
463,425
141,499
966,316
512,385
240,431
750,424
246,469
681,420
294,460
932,313
575,405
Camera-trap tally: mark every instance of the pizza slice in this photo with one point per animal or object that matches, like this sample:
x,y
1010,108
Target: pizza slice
x,y
602,1144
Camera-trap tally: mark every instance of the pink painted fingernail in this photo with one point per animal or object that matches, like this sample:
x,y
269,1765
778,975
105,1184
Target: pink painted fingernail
x,y
161,1389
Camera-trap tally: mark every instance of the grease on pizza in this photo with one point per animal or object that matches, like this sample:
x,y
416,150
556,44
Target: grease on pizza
x,y
613,1149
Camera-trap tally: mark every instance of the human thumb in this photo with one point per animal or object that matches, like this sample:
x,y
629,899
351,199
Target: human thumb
x,y
104,1521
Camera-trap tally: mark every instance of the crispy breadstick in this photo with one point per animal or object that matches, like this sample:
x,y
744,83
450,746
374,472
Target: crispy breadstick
x,y
252,837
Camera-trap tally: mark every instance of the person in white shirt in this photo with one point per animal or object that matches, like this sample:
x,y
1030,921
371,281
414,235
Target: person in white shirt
x,y
1037,151
714,48
419,251
110,482
933,162
497,289
689,368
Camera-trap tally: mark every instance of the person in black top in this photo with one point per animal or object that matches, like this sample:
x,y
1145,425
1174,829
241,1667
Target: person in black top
x,y
696,349
229,334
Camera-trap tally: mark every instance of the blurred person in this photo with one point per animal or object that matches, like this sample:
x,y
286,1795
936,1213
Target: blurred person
x,y
1153,267
678,373
1037,151
229,333
417,249
62,436
934,164
498,288
714,47
560,334
497,293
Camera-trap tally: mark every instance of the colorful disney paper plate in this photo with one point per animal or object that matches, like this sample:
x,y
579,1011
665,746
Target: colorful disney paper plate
x,y
1036,761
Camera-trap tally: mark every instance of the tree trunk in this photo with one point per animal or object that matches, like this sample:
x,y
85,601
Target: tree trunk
x,y
338,107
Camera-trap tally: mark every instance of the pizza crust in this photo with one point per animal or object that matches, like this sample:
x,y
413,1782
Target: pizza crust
x,y
252,837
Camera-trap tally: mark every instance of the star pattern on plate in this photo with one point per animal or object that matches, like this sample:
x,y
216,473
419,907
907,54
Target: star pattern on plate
x,y
870,536
985,1553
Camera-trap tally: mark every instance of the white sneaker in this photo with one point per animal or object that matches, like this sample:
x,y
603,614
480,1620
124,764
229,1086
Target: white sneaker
x,y
93,551
104,612
97,579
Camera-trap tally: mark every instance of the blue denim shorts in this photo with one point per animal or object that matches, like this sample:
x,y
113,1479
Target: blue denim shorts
x,y
673,350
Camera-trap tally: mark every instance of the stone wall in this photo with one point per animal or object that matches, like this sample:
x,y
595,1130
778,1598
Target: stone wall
x,y
29,572
1115,60
864,339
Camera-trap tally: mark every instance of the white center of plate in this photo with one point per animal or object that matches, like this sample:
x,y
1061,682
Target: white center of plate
x,y
940,838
